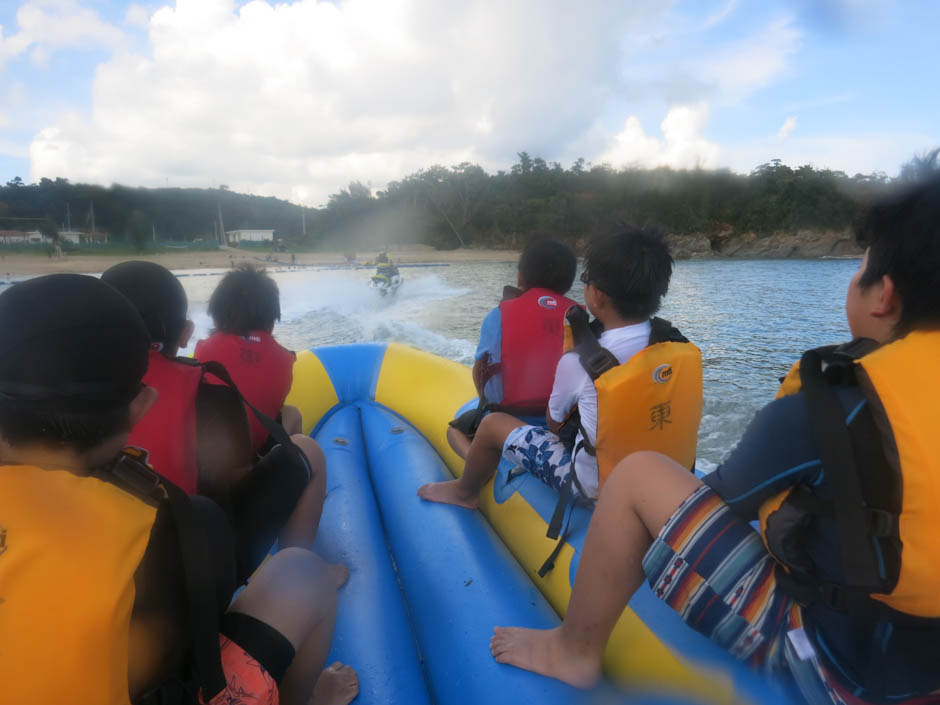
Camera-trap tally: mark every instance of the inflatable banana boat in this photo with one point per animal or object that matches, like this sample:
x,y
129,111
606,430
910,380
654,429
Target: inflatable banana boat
x,y
428,581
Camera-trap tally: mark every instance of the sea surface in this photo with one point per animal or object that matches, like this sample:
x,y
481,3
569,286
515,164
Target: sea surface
x,y
751,319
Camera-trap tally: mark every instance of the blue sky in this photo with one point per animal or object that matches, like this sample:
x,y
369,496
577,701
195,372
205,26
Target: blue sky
x,y
296,99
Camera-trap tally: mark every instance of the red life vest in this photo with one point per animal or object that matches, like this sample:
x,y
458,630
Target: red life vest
x,y
262,370
168,430
533,332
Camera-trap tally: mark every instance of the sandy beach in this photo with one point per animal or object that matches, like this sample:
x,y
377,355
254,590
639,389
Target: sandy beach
x,y
17,265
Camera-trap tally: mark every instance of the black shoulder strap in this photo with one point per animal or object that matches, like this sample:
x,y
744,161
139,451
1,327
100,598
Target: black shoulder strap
x,y
595,360
511,292
131,473
270,425
662,331
853,518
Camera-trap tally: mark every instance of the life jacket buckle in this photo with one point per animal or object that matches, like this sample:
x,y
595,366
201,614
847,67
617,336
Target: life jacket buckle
x,y
884,523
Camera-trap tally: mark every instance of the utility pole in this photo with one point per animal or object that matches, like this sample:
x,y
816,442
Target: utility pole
x,y
303,219
153,229
221,225
68,217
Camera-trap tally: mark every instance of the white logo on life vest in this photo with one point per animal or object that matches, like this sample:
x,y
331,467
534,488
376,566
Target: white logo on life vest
x,y
548,302
251,338
662,374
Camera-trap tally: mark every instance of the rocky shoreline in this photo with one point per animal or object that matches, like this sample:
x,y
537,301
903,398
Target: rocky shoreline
x,y
802,244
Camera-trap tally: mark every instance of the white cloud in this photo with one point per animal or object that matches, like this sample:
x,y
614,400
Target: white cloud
x,y
788,126
720,15
297,99
45,26
681,147
751,63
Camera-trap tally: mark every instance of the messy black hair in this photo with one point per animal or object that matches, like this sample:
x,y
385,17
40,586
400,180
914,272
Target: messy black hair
x,y
902,235
632,266
548,264
246,299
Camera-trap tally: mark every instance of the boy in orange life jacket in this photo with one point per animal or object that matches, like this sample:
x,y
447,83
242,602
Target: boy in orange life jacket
x,y
244,307
842,473
198,436
625,278
91,566
521,340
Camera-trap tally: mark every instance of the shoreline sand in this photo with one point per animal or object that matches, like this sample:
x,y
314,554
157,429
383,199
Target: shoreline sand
x,y
17,265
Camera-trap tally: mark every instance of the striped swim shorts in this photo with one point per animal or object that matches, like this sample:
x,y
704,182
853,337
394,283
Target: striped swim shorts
x,y
712,568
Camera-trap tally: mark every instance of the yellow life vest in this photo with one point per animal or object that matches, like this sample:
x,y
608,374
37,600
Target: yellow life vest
x,y
653,401
72,545
899,382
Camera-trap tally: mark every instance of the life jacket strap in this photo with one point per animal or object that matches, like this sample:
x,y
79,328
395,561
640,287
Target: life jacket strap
x,y
131,473
564,510
276,430
855,520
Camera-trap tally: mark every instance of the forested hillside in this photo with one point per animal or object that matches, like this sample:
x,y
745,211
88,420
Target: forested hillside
x,y
463,205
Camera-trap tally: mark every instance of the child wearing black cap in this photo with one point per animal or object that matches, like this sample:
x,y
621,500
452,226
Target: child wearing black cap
x,y
117,570
198,436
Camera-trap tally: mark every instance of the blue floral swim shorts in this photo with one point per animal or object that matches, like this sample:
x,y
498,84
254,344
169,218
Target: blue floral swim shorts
x,y
539,451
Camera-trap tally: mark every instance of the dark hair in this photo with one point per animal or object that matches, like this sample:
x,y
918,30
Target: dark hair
x,y
246,299
633,267
902,235
69,373
548,264
157,295
82,430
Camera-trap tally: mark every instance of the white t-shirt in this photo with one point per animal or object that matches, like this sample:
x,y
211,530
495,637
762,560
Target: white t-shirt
x,y
574,386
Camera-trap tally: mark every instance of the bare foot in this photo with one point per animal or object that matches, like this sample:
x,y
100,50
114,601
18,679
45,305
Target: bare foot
x,y
338,684
338,573
544,651
448,493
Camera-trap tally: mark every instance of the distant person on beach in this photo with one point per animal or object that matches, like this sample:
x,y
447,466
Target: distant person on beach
x,y
839,585
521,340
116,584
626,275
198,436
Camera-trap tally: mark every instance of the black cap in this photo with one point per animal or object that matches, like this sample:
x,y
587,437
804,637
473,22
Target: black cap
x,y
157,294
71,340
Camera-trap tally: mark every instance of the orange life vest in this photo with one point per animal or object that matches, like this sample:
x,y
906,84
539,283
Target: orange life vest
x,y
653,401
67,586
900,384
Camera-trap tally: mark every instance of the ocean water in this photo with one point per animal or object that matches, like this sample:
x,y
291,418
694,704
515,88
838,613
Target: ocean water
x,y
751,319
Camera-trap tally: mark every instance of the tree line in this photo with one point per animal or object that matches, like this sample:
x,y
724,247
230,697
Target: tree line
x,y
463,205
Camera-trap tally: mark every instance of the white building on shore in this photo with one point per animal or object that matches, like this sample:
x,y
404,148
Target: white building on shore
x,y
236,236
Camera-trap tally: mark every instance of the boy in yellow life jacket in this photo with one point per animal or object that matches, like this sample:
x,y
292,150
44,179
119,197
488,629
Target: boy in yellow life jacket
x,y
113,582
625,278
839,587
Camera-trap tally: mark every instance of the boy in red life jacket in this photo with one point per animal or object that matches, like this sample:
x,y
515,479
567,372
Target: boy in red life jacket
x,y
521,340
625,278
198,435
838,587
117,572
244,308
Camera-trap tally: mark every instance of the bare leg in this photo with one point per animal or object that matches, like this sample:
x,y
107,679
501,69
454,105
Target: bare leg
x,y
294,594
459,443
301,527
635,502
291,419
482,459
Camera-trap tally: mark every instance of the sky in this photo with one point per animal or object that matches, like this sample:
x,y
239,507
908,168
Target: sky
x,y
298,98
